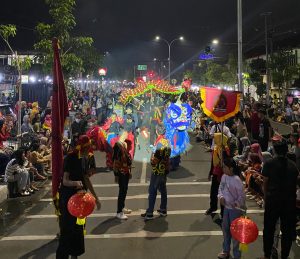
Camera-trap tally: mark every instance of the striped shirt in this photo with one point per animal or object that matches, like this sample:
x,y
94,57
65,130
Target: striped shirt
x,y
13,168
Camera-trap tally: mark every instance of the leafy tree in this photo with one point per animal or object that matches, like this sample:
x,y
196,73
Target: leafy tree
x,y
257,68
7,31
77,53
261,89
188,74
214,73
283,70
229,76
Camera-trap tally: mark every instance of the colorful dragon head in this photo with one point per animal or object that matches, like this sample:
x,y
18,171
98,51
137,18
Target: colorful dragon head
x,y
179,115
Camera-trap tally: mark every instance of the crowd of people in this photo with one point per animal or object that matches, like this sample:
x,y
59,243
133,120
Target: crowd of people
x,y
259,164
250,161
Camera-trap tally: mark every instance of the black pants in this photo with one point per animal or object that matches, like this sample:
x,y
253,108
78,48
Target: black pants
x,y
123,187
71,239
264,143
214,189
286,212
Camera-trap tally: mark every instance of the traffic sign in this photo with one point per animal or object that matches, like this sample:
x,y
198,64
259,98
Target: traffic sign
x,y
142,67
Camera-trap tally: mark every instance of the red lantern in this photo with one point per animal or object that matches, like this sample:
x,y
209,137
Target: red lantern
x,y
245,231
81,204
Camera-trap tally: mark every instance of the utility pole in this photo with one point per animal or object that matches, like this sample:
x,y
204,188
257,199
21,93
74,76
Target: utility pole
x,y
266,16
240,45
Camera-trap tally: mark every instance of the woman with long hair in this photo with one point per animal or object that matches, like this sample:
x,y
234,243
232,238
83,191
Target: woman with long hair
x,y
16,171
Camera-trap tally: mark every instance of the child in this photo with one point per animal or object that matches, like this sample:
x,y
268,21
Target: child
x,y
232,196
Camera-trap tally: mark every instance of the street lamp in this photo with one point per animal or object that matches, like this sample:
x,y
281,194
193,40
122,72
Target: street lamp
x,y
215,41
240,45
169,43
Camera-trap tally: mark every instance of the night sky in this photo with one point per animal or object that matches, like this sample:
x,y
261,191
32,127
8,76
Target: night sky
x,y
126,28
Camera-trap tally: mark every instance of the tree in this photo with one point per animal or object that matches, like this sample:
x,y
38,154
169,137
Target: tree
x,y
257,68
7,31
213,73
77,53
283,70
229,76
225,74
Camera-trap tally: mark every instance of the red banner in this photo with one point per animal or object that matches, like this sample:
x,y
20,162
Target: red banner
x,y
219,104
59,114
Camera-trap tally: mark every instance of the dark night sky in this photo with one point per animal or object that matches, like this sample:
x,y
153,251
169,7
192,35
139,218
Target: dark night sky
x,y
126,28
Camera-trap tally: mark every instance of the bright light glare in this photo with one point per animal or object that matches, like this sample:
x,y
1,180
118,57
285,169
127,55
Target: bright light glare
x,y
32,79
157,38
181,38
215,42
1,77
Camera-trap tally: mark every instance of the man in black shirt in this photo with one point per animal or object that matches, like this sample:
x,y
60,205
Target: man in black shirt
x,y
280,183
265,130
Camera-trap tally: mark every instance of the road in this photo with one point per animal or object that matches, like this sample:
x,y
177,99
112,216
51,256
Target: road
x,y
186,233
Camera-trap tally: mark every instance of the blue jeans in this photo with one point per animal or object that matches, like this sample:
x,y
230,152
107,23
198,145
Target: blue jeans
x,y
229,216
157,182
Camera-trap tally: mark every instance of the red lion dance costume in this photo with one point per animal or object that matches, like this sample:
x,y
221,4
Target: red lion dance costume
x,y
105,137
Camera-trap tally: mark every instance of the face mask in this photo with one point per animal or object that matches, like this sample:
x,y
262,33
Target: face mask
x,y
77,120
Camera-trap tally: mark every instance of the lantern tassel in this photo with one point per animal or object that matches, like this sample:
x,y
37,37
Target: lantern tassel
x,y
243,247
80,221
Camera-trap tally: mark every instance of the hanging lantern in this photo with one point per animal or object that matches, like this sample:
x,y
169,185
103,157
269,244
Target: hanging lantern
x,y
81,204
245,231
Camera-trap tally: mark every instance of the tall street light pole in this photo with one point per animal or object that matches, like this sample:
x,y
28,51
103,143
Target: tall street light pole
x,y
169,46
240,45
266,15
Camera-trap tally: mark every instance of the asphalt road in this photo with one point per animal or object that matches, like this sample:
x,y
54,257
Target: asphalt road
x,y
186,233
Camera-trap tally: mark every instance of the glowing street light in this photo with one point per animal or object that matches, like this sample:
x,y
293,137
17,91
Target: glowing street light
x,y
215,41
169,43
32,79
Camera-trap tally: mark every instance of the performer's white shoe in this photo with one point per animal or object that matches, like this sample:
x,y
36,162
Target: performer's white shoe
x,y
121,216
127,211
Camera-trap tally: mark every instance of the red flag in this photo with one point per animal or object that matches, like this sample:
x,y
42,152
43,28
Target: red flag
x,y
59,114
219,104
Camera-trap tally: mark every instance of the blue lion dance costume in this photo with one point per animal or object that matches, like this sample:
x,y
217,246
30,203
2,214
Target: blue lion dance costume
x,y
177,121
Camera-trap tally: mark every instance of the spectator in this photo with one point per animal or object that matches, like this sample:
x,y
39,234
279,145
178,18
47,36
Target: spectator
x,y
4,134
15,171
38,160
26,126
288,114
280,184
36,123
255,121
49,103
3,98
265,130
78,127
241,131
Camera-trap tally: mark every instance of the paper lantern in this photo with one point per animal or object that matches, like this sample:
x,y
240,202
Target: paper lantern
x,y
81,204
245,231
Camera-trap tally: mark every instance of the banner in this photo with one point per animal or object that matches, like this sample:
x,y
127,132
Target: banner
x,y
59,114
219,104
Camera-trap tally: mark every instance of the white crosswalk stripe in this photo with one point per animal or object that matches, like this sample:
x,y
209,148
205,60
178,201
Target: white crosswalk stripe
x,y
137,213
139,234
